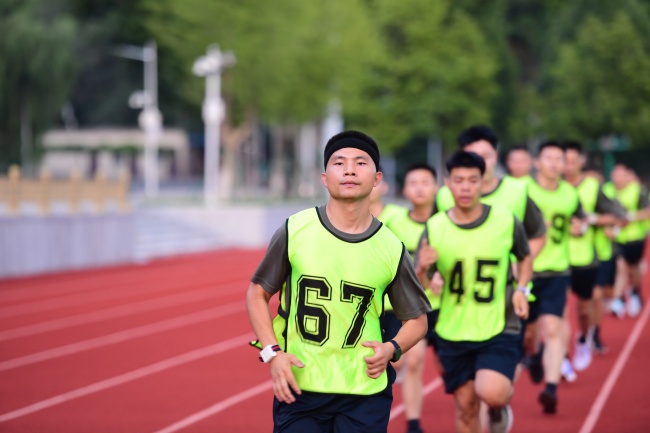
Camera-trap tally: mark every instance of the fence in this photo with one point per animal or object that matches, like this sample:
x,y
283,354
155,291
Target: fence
x,y
44,191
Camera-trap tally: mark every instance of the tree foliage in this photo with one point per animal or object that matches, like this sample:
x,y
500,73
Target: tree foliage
x,y
599,84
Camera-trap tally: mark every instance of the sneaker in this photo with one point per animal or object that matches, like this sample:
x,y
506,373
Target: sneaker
x,y
568,373
500,420
598,346
633,305
548,400
582,356
617,308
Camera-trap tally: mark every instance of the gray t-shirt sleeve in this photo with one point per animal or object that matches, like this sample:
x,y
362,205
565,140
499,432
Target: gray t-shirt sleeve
x,y
644,200
406,293
534,225
606,205
520,247
273,271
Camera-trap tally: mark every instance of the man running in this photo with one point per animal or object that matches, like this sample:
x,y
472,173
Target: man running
x,y
561,207
479,324
601,211
331,266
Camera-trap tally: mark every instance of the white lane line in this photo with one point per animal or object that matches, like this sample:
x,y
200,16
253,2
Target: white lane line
x,y
121,336
92,298
121,311
217,407
121,379
428,389
603,395
92,281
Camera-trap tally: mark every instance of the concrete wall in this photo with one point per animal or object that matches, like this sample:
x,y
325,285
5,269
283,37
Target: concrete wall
x,y
34,245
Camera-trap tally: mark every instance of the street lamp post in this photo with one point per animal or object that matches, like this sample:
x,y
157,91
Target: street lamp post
x,y
150,119
210,66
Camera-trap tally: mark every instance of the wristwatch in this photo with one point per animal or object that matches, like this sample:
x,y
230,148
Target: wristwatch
x,y
525,290
269,352
398,351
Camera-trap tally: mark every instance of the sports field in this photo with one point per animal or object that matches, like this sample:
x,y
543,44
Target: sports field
x,y
162,347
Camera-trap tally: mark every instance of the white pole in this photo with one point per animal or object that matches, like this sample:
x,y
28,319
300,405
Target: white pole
x,y
152,125
212,116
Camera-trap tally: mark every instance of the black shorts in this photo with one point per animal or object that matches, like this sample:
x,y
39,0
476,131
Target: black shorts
x,y
606,273
341,413
550,296
462,359
391,325
632,252
583,281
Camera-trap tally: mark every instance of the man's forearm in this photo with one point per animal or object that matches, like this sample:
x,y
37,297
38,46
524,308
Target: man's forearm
x,y
525,271
411,332
259,315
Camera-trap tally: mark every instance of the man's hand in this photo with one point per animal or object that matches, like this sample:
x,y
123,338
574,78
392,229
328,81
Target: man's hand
x,y
282,376
427,255
436,283
520,302
578,227
379,360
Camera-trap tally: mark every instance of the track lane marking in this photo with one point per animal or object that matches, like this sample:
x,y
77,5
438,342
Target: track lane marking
x,y
121,336
428,389
605,391
130,376
217,407
121,311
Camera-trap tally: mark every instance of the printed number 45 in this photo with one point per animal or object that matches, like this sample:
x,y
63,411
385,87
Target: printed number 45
x,y
314,318
456,285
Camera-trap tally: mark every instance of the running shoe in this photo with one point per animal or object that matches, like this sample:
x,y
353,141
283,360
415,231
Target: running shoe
x,y
582,356
617,308
568,373
500,419
548,400
633,305
598,346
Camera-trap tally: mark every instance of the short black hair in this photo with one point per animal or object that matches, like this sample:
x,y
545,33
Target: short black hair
x,y
574,145
517,147
351,138
421,166
476,133
463,159
549,143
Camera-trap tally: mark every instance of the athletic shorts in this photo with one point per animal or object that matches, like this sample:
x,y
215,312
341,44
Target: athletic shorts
x,y
632,252
391,326
583,281
550,294
462,359
606,273
340,413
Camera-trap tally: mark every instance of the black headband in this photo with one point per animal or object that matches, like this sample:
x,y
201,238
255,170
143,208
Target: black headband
x,y
354,143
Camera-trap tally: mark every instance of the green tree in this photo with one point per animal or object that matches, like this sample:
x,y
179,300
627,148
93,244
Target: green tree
x,y
435,76
599,84
36,72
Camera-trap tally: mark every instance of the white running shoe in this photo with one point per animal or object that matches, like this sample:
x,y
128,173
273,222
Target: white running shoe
x,y
633,305
582,355
567,371
500,420
617,308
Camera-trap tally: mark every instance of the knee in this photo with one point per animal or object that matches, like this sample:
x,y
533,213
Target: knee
x,y
496,397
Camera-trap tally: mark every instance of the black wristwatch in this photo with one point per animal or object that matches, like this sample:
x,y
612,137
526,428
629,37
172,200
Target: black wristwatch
x,y
398,351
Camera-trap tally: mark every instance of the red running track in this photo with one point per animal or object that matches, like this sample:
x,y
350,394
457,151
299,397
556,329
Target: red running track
x,y
162,347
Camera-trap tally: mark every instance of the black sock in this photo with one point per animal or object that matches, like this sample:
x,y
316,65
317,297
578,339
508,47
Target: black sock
x,y
596,333
551,387
413,423
582,339
636,291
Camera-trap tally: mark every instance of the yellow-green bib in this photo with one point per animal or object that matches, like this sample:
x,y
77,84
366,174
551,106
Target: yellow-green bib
x,y
335,303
